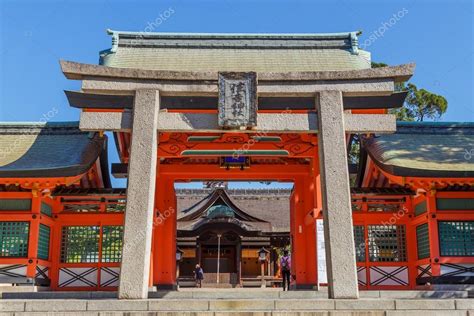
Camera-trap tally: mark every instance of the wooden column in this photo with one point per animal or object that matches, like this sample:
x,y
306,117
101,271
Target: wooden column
x,y
412,254
303,232
238,259
165,235
55,237
33,235
310,232
318,207
433,232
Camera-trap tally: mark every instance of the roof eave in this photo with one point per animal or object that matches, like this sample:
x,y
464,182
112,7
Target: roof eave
x,y
401,171
70,171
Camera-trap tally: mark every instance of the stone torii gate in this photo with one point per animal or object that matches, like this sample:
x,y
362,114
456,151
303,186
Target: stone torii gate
x,y
344,102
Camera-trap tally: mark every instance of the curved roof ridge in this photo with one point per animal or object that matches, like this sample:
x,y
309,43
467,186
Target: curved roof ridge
x,y
235,35
40,124
435,124
441,128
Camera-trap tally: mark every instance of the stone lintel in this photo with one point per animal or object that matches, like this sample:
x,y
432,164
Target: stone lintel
x,y
78,71
355,87
266,122
203,122
120,86
336,197
106,121
370,123
135,267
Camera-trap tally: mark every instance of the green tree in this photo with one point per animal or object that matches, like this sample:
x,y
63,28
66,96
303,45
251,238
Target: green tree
x,y
420,104
403,114
353,156
354,150
378,65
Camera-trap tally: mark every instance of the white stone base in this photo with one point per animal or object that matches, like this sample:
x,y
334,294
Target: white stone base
x,y
257,306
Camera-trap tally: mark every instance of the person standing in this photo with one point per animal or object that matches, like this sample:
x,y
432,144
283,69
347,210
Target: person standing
x,y
285,264
198,275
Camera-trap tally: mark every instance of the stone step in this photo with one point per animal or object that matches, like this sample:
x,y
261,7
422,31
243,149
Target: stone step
x,y
237,293
243,306
219,286
20,288
451,287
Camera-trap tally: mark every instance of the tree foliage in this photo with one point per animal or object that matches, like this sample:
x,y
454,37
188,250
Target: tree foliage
x,y
354,150
420,104
378,65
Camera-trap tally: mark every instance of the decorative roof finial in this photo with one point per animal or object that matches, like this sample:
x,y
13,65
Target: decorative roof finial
x,y
355,42
115,40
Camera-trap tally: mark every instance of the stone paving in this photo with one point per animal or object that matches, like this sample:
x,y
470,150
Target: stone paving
x,y
217,302
240,306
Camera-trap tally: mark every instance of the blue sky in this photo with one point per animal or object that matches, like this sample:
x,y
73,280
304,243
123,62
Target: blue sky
x,y
34,35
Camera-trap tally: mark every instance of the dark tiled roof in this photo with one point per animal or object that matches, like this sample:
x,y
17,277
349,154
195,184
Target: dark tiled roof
x,y
235,52
425,149
47,150
270,206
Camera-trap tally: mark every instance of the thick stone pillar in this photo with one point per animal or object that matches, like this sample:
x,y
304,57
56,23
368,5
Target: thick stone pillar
x,y
337,212
135,268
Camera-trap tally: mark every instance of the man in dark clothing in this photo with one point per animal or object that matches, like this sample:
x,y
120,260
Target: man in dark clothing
x,y
285,264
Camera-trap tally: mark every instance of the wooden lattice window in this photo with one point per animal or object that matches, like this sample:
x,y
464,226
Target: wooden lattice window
x,y
43,242
112,241
80,244
14,239
15,204
359,241
387,243
456,238
420,208
454,204
384,207
422,241
116,206
46,209
79,207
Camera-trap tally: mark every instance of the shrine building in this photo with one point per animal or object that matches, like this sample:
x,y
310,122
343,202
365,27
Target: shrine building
x,y
236,107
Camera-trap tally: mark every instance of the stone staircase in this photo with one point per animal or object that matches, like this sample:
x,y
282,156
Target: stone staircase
x,y
270,281
239,302
226,280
